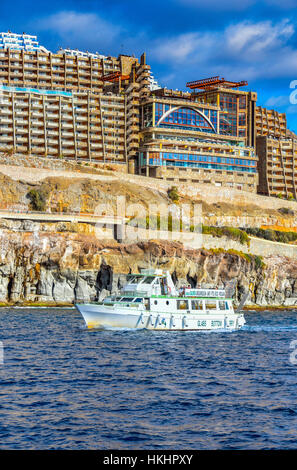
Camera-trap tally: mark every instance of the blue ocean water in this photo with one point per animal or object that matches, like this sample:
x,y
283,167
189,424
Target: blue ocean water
x,y
65,387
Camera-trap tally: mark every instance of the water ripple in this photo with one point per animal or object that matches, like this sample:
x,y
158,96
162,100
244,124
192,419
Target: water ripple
x,y
65,387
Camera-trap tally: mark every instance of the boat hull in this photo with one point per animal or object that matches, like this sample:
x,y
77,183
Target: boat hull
x,y
100,316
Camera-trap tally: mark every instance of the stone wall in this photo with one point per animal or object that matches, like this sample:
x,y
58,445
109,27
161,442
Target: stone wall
x,y
258,246
219,178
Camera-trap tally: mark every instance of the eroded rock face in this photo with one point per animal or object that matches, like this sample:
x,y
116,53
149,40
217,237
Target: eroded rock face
x,y
68,267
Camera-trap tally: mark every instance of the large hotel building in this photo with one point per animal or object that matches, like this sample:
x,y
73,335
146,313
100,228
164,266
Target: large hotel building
x,y
277,151
101,109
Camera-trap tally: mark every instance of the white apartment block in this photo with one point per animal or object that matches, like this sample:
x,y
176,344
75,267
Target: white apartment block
x,y
20,42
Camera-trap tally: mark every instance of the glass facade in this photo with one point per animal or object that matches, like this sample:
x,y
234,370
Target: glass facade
x,y
200,161
228,121
185,118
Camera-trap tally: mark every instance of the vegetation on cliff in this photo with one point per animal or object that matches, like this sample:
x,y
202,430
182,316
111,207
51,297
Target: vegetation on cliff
x,y
38,200
230,232
273,235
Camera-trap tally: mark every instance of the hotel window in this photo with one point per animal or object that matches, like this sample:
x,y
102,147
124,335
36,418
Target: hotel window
x,y
242,119
242,102
183,118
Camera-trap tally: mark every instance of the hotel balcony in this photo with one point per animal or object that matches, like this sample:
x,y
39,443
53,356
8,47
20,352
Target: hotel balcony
x,y
51,107
36,140
21,131
53,142
37,131
21,121
96,145
56,133
4,111
52,125
20,113
66,117
67,125
67,134
67,143
36,114
81,118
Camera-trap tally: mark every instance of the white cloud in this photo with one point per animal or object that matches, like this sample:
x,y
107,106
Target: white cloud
x,y
250,37
291,109
276,101
81,30
247,50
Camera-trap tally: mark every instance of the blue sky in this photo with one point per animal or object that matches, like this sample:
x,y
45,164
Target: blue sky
x,y
184,39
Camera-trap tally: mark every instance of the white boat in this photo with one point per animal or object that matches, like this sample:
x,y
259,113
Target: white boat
x,y
150,300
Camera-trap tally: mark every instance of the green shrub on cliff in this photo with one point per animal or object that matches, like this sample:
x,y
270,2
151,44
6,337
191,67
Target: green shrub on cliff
x,y
37,200
173,194
257,260
235,234
272,235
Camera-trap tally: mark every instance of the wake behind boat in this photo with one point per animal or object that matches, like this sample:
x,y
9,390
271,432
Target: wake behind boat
x,y
150,300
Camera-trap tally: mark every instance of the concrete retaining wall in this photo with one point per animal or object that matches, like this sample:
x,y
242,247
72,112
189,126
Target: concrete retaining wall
x,y
258,246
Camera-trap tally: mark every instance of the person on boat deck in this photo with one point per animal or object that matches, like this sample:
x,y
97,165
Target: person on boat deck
x,y
164,287
182,291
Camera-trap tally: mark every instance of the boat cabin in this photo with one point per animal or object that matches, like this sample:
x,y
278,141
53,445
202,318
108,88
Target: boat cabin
x,y
149,282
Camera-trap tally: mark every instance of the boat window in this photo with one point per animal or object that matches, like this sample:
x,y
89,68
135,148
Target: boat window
x,y
132,279
126,299
182,304
148,280
139,299
222,305
210,305
197,305
155,302
167,302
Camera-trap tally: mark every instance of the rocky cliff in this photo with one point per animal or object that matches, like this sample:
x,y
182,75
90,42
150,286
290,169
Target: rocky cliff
x,y
58,268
